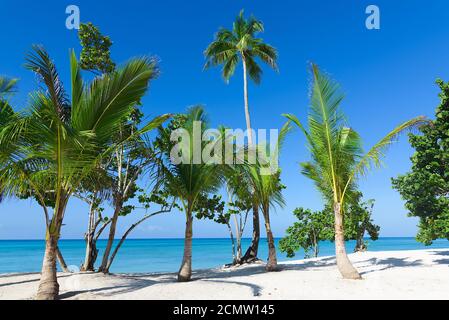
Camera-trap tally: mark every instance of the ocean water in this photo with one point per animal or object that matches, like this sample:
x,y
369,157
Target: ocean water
x,y
165,255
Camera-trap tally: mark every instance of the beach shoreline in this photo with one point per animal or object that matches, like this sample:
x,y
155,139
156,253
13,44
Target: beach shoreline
x,y
406,274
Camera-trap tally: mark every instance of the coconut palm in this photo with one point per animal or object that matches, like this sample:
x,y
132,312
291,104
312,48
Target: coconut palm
x,y
7,86
7,117
337,156
267,194
227,49
188,180
264,179
59,141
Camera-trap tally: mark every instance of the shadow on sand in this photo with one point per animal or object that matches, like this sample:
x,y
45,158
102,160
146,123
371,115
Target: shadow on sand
x,y
231,275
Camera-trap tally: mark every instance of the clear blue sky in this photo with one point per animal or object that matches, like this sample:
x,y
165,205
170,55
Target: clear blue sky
x,y
388,76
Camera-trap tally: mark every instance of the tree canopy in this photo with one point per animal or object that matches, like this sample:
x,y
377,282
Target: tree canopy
x,y
426,187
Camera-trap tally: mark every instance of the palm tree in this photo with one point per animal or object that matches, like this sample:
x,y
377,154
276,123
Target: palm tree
x,y
337,155
7,86
267,189
227,49
60,140
188,181
267,194
8,117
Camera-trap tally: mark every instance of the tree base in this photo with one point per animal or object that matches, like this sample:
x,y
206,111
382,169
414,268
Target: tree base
x,y
47,291
184,278
272,268
351,275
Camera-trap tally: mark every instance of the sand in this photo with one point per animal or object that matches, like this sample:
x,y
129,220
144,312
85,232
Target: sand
x,y
417,274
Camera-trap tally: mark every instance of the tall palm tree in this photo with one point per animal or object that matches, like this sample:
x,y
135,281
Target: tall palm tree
x,y
227,49
189,181
337,155
61,140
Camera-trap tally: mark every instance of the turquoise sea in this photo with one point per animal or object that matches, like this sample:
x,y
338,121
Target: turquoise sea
x,y
164,255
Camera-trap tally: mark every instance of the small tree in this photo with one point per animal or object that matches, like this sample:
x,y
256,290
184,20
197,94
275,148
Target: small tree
x,y
358,221
425,188
239,204
337,157
188,182
95,57
95,54
311,228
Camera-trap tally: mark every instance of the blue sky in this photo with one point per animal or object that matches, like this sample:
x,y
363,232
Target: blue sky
x,y
388,76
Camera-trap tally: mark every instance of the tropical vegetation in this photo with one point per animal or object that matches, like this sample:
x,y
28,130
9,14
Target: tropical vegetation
x,y
337,155
313,227
425,188
228,49
96,145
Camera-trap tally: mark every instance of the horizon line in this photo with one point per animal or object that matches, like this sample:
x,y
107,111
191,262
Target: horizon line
x,y
198,238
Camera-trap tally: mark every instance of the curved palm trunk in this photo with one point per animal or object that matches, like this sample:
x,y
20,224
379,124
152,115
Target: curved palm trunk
x,y
185,272
59,256
272,264
251,253
345,266
104,263
48,284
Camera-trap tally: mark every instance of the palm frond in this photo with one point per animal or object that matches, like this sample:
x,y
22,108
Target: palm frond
x,y
254,71
373,158
111,98
39,61
266,53
7,87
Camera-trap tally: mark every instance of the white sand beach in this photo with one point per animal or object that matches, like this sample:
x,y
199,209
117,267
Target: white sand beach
x,y
417,274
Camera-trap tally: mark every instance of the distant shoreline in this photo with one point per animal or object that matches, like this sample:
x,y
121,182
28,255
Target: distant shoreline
x,y
165,255
198,238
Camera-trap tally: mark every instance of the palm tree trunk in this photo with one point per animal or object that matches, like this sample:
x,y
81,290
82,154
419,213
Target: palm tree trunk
x,y
345,266
185,272
59,256
48,285
272,264
251,253
104,263
245,97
